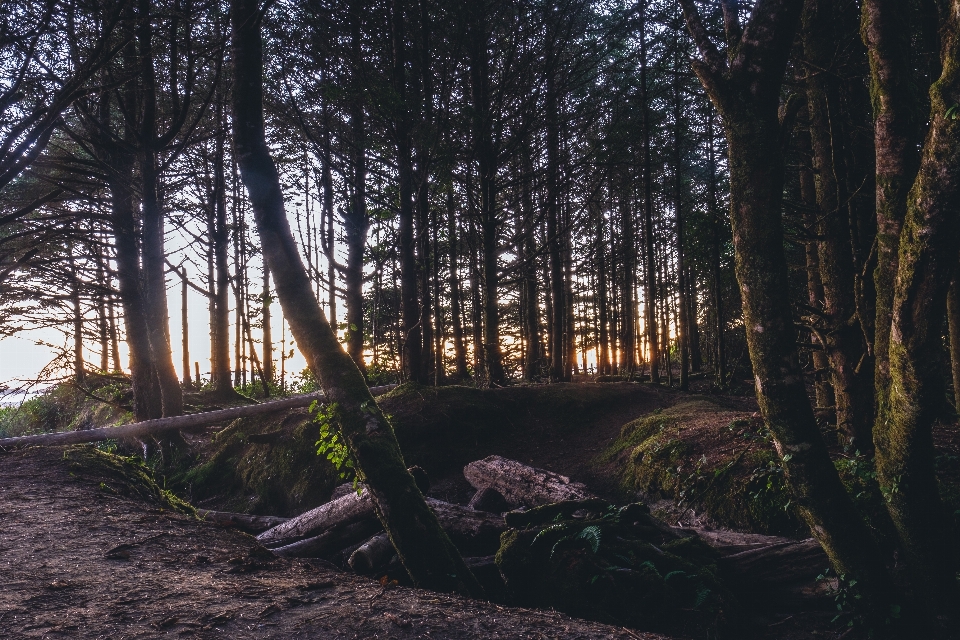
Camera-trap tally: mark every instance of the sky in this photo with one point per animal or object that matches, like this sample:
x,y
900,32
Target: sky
x,y
24,355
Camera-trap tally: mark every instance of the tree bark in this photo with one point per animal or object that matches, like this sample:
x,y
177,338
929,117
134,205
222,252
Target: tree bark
x,y
410,301
720,348
456,312
886,33
424,549
220,377
153,253
745,89
808,195
845,343
926,263
650,281
683,313
953,319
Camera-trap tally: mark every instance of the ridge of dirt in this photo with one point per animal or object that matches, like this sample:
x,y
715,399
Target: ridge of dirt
x,y
82,562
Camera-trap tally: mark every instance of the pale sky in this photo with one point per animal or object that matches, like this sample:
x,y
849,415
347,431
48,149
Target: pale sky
x,y
23,356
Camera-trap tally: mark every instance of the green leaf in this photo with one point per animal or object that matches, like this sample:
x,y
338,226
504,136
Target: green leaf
x,y
592,536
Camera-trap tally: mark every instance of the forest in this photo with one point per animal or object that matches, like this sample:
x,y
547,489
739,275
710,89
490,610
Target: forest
x,y
647,313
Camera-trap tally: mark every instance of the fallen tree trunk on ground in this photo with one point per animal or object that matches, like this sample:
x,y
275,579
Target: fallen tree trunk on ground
x,y
243,521
330,541
179,423
334,514
521,484
372,554
330,527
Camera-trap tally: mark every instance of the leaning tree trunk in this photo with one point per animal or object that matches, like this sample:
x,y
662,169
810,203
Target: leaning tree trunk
x,y
926,262
424,549
746,89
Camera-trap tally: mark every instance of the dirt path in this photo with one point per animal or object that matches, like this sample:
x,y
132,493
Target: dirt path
x,y
80,562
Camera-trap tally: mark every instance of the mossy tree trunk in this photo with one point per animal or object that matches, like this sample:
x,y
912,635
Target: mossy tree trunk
x,y
745,89
846,345
425,550
886,33
926,262
953,319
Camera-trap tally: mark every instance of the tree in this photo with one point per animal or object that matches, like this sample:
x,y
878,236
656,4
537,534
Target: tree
x,y
424,549
744,85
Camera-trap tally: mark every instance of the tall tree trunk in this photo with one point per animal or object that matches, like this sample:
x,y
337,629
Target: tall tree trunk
x,y
78,366
720,349
185,331
953,320
530,284
120,179
603,320
154,255
266,325
356,222
424,549
886,33
220,377
926,264
683,313
693,313
554,226
845,341
456,312
823,389
409,295
487,183
745,89
650,282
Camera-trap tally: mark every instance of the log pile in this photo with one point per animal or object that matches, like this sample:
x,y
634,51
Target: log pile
x,y
346,531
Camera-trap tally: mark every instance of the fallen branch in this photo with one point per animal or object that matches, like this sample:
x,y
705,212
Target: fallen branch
x,y
178,423
243,521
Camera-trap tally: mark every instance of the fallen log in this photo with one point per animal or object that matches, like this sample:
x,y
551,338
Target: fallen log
x,y
522,484
242,521
330,541
334,514
475,532
178,423
372,554
472,532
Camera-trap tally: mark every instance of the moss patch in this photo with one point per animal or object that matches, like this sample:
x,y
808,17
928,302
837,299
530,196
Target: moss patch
x,y
125,476
263,464
706,458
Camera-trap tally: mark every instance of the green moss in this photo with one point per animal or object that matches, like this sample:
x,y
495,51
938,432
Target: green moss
x,y
658,457
124,476
263,465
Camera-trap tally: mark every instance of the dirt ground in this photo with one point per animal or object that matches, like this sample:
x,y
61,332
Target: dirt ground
x,y
79,561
